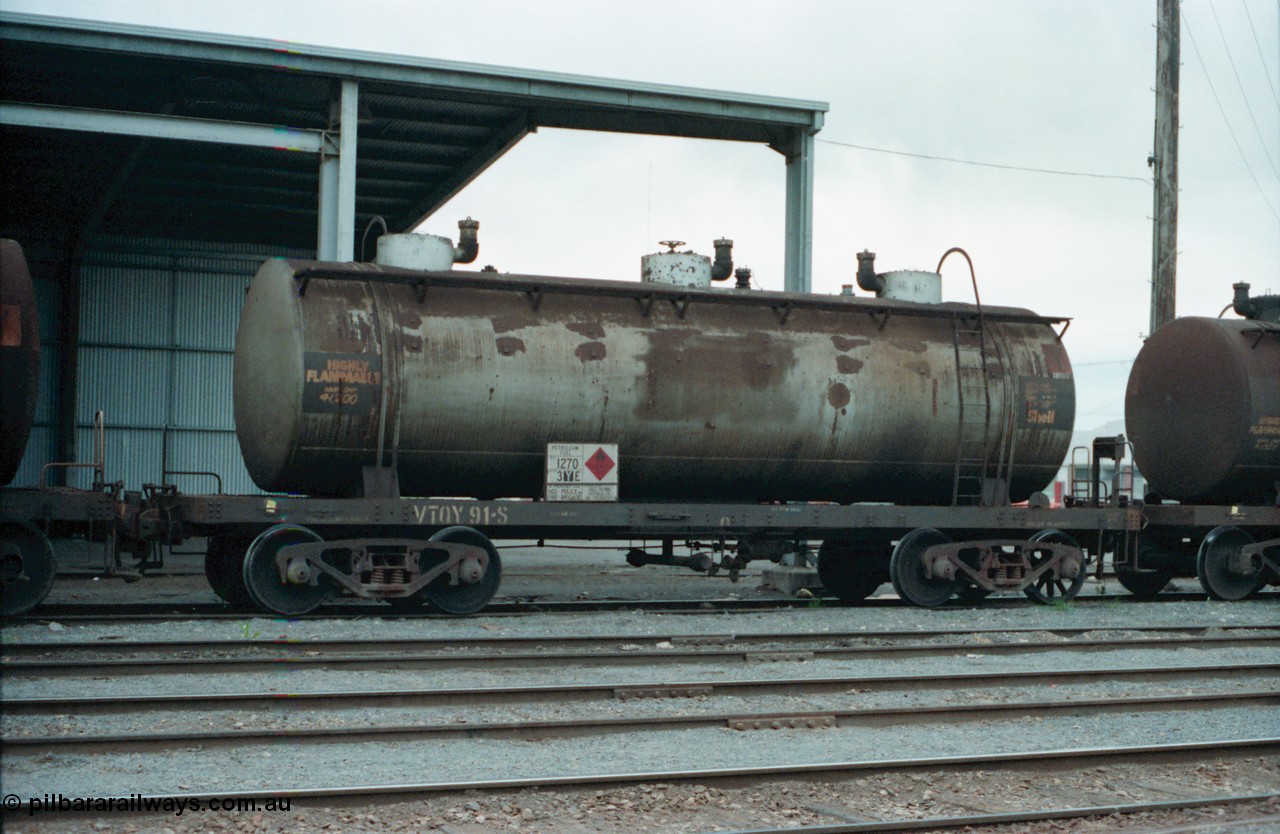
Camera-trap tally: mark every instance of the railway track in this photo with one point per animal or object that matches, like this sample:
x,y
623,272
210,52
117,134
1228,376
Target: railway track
x,y
543,729
406,654
121,644
504,714
1056,758
621,691
165,611
1057,815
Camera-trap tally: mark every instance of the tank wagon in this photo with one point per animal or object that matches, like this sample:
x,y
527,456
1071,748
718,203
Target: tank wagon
x,y
26,557
398,415
19,357
456,383
1202,408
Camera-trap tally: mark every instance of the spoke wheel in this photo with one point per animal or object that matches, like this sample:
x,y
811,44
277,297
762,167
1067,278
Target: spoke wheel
x,y
847,569
465,598
262,579
1051,587
906,570
224,568
1213,565
26,568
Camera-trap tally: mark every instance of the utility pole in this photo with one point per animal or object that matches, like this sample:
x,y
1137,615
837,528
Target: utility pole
x,y
1164,166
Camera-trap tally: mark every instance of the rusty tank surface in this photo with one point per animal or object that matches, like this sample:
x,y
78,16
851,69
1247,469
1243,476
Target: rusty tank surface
x,y
19,357
460,379
1202,406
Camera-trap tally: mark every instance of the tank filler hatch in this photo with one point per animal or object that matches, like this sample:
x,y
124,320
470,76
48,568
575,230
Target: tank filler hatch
x,y
687,269
916,285
430,253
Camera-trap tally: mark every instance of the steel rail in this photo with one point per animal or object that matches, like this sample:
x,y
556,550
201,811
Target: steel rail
x,y
1044,815
399,661
1074,757
161,611
573,728
562,693
298,644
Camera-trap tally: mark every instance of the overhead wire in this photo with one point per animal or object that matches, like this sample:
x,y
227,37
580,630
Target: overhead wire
x,y
1055,172
1248,107
1266,70
1243,158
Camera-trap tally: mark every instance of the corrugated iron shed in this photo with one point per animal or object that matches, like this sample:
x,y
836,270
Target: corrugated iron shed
x,y
147,171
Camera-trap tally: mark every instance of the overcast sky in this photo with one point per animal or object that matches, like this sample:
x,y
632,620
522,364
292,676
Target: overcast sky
x,y
1063,84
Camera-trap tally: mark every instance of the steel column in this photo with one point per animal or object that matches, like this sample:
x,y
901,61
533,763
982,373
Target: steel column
x,y
799,232
347,171
327,217
336,223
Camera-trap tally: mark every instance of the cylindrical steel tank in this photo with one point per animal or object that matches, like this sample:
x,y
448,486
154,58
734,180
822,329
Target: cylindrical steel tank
x,y
1203,410
709,394
19,357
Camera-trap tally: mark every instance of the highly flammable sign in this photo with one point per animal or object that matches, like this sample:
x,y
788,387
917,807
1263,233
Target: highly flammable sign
x,y
582,472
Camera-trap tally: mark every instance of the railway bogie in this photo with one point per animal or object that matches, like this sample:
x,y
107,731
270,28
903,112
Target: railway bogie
x,y
291,569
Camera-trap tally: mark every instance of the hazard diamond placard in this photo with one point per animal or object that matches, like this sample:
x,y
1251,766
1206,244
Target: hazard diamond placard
x,y
582,472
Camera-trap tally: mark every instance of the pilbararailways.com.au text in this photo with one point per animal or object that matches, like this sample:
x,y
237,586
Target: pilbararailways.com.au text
x,y
138,803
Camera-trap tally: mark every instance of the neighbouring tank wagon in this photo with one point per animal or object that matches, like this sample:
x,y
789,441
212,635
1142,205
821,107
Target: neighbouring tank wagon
x,y
1202,409
19,357
1203,406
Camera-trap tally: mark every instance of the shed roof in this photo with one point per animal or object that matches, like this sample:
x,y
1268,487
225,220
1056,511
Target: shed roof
x,y
77,155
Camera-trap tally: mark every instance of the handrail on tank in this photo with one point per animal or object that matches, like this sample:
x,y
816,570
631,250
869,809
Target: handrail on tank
x,y
99,448
977,299
194,474
537,286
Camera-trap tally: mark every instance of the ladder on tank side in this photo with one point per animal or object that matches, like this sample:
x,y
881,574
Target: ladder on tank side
x,y
982,471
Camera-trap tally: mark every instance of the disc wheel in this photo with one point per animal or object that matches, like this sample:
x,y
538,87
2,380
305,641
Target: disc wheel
x,y
1147,583
26,568
262,578
467,597
906,570
1050,587
224,568
1213,565
847,569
